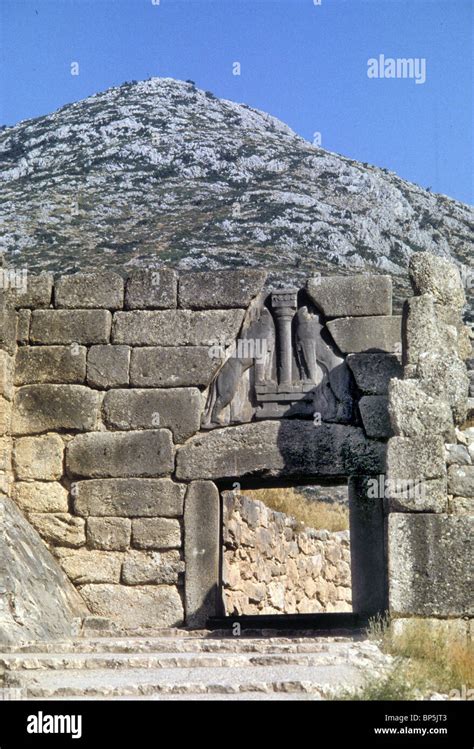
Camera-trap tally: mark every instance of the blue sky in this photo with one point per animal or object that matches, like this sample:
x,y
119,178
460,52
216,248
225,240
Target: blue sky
x,y
302,62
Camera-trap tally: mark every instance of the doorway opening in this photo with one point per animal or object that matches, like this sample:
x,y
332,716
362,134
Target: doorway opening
x,y
286,550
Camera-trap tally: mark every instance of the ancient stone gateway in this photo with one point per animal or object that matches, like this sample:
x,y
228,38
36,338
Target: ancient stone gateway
x,y
129,405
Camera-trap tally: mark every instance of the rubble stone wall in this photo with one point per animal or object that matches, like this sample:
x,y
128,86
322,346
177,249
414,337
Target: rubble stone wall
x,y
274,565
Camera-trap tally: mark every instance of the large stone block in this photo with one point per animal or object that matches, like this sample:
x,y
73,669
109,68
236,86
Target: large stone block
x,y
437,276
340,296
109,534
220,289
128,497
54,364
37,292
23,326
411,457
44,408
42,603
172,366
59,529
84,566
108,366
176,327
375,417
39,457
61,326
7,364
151,289
8,328
156,533
358,334
430,565
373,372
136,608
202,552
444,376
5,415
416,414
40,496
280,448
176,409
461,481
152,568
85,290
121,454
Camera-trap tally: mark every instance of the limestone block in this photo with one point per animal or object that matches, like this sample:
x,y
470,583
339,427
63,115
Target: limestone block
x,y
341,296
85,290
202,552
54,364
430,565
37,293
423,332
156,533
108,366
40,496
136,607
6,375
285,448
176,327
23,326
461,505
375,416
172,366
84,566
60,529
416,474
42,408
128,497
109,534
359,334
444,376
61,326
457,455
42,603
121,454
461,480
8,328
220,289
416,414
152,568
5,415
373,372
177,409
437,276
39,457
151,289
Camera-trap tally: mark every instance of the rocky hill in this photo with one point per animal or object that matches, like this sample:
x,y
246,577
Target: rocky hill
x,y
159,171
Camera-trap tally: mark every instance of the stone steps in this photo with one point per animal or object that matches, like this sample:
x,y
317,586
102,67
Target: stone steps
x,y
191,667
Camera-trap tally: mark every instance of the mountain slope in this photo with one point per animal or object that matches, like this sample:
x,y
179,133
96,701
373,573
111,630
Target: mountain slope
x,y
159,171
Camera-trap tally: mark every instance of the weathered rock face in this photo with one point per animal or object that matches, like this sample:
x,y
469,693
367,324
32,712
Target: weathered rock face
x,y
37,601
272,565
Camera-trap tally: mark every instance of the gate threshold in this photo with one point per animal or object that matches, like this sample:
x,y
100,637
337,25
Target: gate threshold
x,y
316,622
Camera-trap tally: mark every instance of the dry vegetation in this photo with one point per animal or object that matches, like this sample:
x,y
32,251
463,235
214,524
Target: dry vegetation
x,y
423,664
318,515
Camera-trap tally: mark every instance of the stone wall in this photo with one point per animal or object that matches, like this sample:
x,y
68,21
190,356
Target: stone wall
x,y
119,423
430,476
274,565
